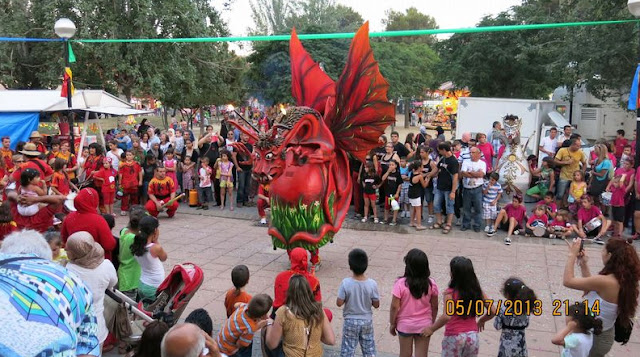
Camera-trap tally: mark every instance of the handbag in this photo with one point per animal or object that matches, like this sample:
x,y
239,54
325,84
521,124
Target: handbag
x,y
120,325
622,333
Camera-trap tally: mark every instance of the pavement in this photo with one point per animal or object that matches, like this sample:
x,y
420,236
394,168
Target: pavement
x,y
218,240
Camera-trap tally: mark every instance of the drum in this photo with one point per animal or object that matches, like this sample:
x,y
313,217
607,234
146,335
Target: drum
x,y
68,203
538,228
605,198
592,225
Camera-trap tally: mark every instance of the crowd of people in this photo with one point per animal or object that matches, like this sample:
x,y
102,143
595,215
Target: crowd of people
x,y
54,258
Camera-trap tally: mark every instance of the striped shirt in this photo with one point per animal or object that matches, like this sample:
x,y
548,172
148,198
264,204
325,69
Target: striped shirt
x,y
492,191
237,331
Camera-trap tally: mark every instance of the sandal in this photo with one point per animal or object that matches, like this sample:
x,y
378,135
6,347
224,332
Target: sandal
x,y
437,226
446,229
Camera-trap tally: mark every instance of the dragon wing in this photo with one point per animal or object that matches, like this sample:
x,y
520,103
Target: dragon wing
x,y
361,111
310,85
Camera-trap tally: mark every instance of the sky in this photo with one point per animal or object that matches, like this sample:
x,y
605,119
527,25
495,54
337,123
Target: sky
x,y
448,13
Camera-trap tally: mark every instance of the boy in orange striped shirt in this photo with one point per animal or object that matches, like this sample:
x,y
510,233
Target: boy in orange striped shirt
x,y
236,336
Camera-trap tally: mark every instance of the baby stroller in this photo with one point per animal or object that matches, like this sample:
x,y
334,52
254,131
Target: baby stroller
x,y
172,298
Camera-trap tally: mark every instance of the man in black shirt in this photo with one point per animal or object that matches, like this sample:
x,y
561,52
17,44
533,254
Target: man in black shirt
x,y
447,185
208,146
398,147
244,170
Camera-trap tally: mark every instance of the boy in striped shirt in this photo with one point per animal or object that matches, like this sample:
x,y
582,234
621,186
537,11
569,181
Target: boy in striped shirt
x,y
236,336
491,192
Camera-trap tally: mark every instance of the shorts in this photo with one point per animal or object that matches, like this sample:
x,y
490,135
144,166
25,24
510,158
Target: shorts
x,y
428,194
538,190
357,332
489,211
370,196
505,226
618,213
226,184
439,197
108,198
404,334
415,202
462,344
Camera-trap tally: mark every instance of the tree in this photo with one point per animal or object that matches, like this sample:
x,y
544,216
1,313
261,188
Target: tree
x,y
411,19
270,15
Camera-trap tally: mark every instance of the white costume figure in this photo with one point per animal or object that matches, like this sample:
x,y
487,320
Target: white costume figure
x,y
513,167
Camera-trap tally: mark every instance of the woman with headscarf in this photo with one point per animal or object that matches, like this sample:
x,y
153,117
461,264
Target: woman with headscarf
x,y
87,219
143,127
299,265
440,132
86,260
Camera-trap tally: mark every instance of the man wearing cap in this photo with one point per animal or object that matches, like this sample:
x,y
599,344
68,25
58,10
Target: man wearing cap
x,y
31,154
36,139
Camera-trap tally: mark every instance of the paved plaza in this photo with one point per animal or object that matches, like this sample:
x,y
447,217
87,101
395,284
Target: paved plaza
x,y
217,240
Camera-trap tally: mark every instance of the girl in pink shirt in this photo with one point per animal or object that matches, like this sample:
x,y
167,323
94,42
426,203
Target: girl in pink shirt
x,y
618,193
414,305
461,329
486,149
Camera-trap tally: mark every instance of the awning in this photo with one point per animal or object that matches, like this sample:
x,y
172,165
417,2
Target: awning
x,y
558,120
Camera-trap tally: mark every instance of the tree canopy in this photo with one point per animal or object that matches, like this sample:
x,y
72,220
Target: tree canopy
x,y
411,19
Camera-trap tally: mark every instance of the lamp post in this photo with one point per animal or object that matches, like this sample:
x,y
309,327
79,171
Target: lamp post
x,y
634,8
65,29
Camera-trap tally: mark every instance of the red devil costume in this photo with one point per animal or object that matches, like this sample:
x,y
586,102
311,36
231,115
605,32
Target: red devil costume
x,y
130,179
161,189
304,155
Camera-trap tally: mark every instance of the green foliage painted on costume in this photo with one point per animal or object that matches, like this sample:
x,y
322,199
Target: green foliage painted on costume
x,y
300,218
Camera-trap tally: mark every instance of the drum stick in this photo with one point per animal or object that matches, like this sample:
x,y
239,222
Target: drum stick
x,y
171,201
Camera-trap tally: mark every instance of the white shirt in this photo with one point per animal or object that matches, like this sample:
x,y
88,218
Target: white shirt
x,y
548,144
473,166
98,280
577,345
562,138
115,158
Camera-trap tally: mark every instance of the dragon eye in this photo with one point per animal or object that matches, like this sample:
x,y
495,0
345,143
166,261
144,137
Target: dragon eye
x,y
256,155
269,156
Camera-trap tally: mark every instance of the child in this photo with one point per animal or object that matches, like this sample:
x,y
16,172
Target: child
x,y
205,195
618,192
546,179
30,185
393,180
577,337
171,165
263,202
129,269
461,329
510,219
414,305
486,149
150,255
626,155
538,219
188,175
107,176
202,319
60,184
513,342
576,190
549,204
236,336
148,170
404,192
358,293
559,226
417,184
586,214
7,224
225,166
114,153
619,143
491,193
370,182
240,279
130,176
55,242
457,148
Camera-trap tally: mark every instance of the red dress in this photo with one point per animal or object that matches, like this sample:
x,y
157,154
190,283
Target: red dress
x,y
108,188
130,174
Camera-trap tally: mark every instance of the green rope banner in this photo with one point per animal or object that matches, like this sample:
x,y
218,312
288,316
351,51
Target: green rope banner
x,y
324,36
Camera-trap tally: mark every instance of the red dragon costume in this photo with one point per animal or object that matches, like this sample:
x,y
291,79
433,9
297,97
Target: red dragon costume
x,y
304,155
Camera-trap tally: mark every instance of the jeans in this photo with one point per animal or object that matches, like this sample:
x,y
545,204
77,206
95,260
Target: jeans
x,y
205,195
472,199
244,183
439,197
561,188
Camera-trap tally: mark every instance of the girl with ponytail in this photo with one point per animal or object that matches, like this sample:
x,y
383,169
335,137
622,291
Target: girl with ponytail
x,y
150,255
577,337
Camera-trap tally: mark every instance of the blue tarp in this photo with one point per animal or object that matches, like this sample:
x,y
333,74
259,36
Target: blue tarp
x,y
18,126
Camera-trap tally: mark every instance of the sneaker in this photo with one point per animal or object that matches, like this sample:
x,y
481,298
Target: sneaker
x,y
459,221
430,221
123,213
491,232
516,232
375,220
476,229
598,240
392,224
200,207
507,241
358,216
364,220
205,207
552,236
263,221
487,229
382,221
463,228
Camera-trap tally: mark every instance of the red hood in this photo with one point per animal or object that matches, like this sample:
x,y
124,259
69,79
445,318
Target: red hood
x,y
299,260
86,201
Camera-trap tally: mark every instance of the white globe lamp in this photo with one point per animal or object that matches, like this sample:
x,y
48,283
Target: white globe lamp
x,y
634,7
65,28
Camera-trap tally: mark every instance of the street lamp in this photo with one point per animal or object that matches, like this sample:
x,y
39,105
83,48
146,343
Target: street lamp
x,y
634,9
65,29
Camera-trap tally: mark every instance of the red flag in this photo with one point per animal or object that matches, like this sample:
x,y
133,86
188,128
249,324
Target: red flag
x,y
66,81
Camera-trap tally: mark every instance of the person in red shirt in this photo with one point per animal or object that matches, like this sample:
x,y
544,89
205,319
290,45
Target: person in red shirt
x,y
161,190
32,162
107,177
299,265
130,178
60,183
55,150
7,153
510,219
620,142
36,139
42,220
7,224
86,218
92,164
263,202
589,214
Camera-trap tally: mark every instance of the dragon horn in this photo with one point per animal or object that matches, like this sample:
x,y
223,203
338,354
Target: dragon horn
x,y
253,134
246,121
